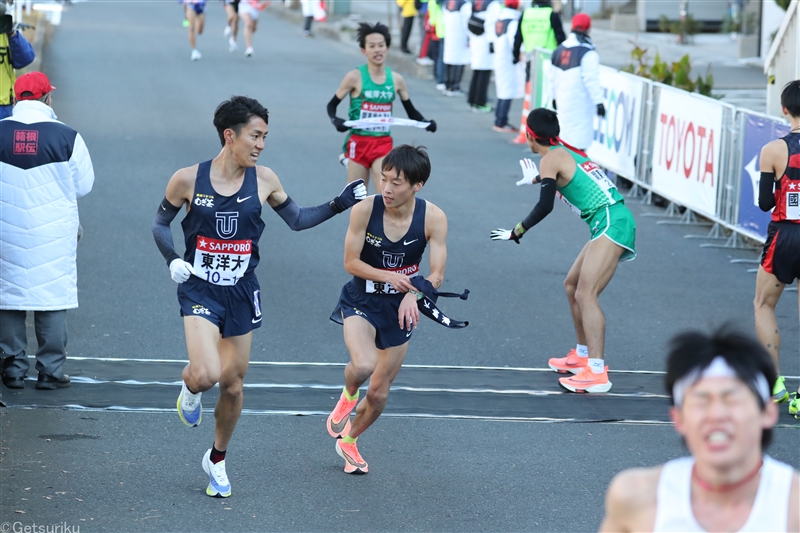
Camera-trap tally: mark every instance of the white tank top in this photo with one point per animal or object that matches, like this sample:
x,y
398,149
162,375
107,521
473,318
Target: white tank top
x,y
770,508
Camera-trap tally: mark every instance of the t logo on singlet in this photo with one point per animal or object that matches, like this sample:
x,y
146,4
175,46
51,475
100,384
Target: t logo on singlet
x,y
227,224
392,260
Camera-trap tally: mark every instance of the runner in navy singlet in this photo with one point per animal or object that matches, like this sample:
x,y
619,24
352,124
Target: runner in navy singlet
x,y
378,307
218,291
779,190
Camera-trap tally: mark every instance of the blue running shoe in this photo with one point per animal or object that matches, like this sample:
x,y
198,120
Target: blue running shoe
x,y
218,484
189,407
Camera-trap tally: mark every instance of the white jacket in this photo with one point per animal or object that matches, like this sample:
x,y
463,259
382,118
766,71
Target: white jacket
x,y
481,57
44,168
575,84
455,14
509,79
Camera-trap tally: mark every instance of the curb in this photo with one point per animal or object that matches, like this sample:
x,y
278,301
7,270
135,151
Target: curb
x,y
343,30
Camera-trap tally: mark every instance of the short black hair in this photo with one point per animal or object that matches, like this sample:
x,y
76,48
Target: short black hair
x,y
412,161
237,112
365,28
790,98
694,351
544,123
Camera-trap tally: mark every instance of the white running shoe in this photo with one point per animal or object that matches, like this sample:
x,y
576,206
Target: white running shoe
x,y
196,54
425,61
343,160
441,86
248,52
190,407
218,484
227,31
232,45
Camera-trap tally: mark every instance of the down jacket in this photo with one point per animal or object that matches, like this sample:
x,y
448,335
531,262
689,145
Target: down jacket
x,y
44,168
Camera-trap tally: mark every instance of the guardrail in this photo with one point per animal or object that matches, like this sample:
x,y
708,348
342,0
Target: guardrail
x,y
698,153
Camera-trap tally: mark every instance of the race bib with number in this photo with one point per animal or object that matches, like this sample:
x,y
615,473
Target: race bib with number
x,y
600,178
221,262
793,206
381,287
373,110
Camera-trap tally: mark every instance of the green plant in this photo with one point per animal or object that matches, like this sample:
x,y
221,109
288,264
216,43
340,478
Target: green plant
x,y
783,3
677,73
684,28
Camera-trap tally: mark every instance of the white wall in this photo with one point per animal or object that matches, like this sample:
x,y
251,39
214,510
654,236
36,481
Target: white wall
x,y
771,18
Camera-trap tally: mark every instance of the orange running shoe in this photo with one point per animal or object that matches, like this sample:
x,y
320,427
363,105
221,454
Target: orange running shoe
x,y
339,420
570,363
353,462
587,381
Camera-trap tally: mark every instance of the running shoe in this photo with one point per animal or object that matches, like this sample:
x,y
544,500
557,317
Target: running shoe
x,y
232,45
779,392
587,381
353,462
190,410
185,23
248,52
307,33
196,54
343,160
218,484
481,109
505,129
570,363
456,92
339,420
227,32
425,61
794,405
441,86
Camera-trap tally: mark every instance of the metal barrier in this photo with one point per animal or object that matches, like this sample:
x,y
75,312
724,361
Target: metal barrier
x,y
696,152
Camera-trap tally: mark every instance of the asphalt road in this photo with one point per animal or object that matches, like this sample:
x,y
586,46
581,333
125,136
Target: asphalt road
x,y
126,83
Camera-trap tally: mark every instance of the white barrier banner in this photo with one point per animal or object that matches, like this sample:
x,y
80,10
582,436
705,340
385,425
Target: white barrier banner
x,y
616,137
688,136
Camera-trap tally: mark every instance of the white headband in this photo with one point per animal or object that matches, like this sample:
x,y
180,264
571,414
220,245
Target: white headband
x,y
719,367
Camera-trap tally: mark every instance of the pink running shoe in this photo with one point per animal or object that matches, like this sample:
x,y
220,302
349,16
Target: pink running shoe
x,y
571,363
353,462
339,420
587,381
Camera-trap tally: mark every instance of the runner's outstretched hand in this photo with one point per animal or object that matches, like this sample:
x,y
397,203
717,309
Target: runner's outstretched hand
x,y
180,270
338,123
432,126
529,172
504,235
354,192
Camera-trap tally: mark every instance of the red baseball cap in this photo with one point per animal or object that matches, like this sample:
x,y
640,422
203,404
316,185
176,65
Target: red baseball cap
x,y
35,83
581,22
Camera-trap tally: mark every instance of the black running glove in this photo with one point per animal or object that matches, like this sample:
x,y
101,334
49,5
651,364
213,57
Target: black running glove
x,y
350,196
601,110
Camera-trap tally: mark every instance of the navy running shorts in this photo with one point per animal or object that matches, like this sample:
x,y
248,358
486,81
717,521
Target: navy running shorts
x,y
235,309
378,310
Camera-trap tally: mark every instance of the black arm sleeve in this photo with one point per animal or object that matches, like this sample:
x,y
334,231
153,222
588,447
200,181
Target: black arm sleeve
x,y
332,105
558,27
162,233
300,218
518,40
547,197
411,111
766,194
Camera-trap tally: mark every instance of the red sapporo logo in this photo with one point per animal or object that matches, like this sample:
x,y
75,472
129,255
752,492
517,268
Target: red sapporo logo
x,y
26,142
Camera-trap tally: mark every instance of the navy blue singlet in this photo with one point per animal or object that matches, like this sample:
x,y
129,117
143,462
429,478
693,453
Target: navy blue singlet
x,y
402,256
222,232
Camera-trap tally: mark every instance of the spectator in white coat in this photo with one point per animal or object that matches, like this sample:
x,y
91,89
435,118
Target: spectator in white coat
x,y
509,77
455,15
481,47
575,84
312,10
44,168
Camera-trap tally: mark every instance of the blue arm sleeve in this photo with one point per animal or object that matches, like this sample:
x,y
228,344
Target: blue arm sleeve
x,y
21,50
300,218
161,231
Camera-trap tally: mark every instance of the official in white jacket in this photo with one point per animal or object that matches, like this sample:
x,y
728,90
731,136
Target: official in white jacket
x,y
575,84
44,168
509,77
455,16
481,48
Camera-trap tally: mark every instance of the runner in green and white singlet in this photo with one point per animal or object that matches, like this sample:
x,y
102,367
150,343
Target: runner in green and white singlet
x,y
372,88
569,174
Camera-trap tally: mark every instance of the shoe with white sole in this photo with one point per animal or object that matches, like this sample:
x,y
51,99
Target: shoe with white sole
x,y
587,381
218,484
248,52
190,408
196,54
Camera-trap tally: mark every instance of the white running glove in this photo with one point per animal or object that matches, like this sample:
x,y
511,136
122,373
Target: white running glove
x,y
180,270
529,172
504,235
